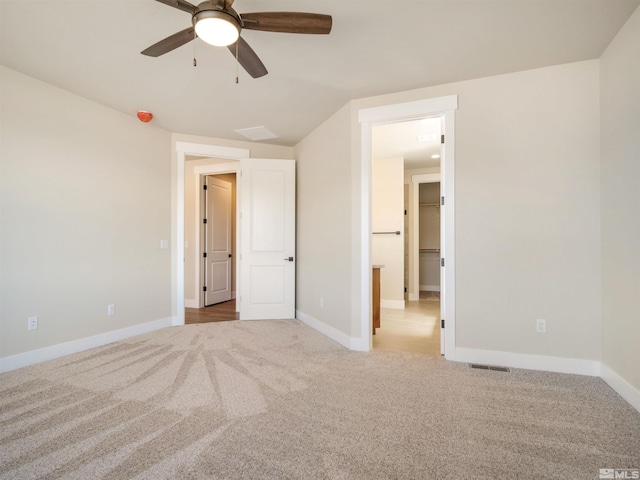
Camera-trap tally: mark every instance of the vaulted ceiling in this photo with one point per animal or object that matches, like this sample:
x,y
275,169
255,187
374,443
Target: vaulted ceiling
x,y
92,48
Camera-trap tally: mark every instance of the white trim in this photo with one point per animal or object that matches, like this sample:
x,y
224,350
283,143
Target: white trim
x,y
395,304
217,151
444,107
621,386
333,333
414,297
429,288
365,262
408,110
25,359
191,303
183,149
545,363
425,178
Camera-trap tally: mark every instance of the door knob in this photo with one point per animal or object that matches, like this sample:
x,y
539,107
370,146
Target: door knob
x,y
290,259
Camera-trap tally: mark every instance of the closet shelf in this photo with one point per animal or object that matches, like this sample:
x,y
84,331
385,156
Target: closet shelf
x,y
437,205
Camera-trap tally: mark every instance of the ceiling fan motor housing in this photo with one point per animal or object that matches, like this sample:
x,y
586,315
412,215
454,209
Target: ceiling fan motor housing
x,y
211,10
225,19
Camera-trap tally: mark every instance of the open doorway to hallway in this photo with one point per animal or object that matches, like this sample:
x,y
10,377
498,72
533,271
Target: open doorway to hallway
x,y
218,241
210,242
406,228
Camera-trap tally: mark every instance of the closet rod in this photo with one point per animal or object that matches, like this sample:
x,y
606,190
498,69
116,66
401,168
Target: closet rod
x,y
397,232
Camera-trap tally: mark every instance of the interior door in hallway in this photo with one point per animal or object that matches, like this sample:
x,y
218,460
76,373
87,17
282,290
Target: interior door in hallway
x,y
267,272
217,241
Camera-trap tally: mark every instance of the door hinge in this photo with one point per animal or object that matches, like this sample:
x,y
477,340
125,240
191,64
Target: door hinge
x,y
442,323
204,254
442,262
405,212
441,138
204,289
204,220
204,187
405,289
442,201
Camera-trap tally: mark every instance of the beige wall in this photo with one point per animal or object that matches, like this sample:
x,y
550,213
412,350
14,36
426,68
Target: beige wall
x,y
256,150
620,170
85,201
527,197
324,223
527,201
387,215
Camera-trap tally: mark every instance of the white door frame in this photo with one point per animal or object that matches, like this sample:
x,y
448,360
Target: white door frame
x,y
368,117
182,150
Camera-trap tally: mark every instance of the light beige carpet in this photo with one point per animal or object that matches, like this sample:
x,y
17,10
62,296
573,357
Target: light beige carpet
x,y
277,400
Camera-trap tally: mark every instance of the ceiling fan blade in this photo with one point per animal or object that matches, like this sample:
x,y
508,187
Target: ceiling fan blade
x,y
287,22
170,43
248,58
180,5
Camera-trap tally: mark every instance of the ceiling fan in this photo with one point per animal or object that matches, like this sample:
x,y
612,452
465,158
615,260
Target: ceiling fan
x,y
216,23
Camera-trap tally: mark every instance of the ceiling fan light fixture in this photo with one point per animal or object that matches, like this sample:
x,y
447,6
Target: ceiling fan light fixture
x,y
216,28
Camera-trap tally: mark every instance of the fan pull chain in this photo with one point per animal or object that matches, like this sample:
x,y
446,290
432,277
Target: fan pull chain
x,y
195,62
237,62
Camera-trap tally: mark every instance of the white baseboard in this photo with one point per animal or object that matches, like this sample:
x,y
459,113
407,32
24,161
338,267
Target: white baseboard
x,y
25,359
397,304
530,362
414,297
621,386
429,288
352,343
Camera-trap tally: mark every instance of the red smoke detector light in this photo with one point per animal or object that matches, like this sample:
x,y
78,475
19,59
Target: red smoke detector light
x,y
145,116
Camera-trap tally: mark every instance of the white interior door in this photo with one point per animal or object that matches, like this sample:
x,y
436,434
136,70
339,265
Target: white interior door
x,y
267,272
217,241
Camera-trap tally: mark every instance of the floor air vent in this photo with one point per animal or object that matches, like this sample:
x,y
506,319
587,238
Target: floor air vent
x,y
489,367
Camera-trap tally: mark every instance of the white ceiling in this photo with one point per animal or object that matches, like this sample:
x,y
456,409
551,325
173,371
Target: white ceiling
x,y
415,141
92,48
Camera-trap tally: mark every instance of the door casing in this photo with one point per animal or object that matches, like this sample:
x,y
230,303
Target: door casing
x,y
182,151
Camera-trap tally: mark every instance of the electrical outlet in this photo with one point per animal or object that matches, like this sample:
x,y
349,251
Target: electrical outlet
x,y
111,309
541,326
164,244
32,323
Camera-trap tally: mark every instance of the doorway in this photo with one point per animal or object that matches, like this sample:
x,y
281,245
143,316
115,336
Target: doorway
x,y
266,196
218,238
216,228
405,200
443,107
